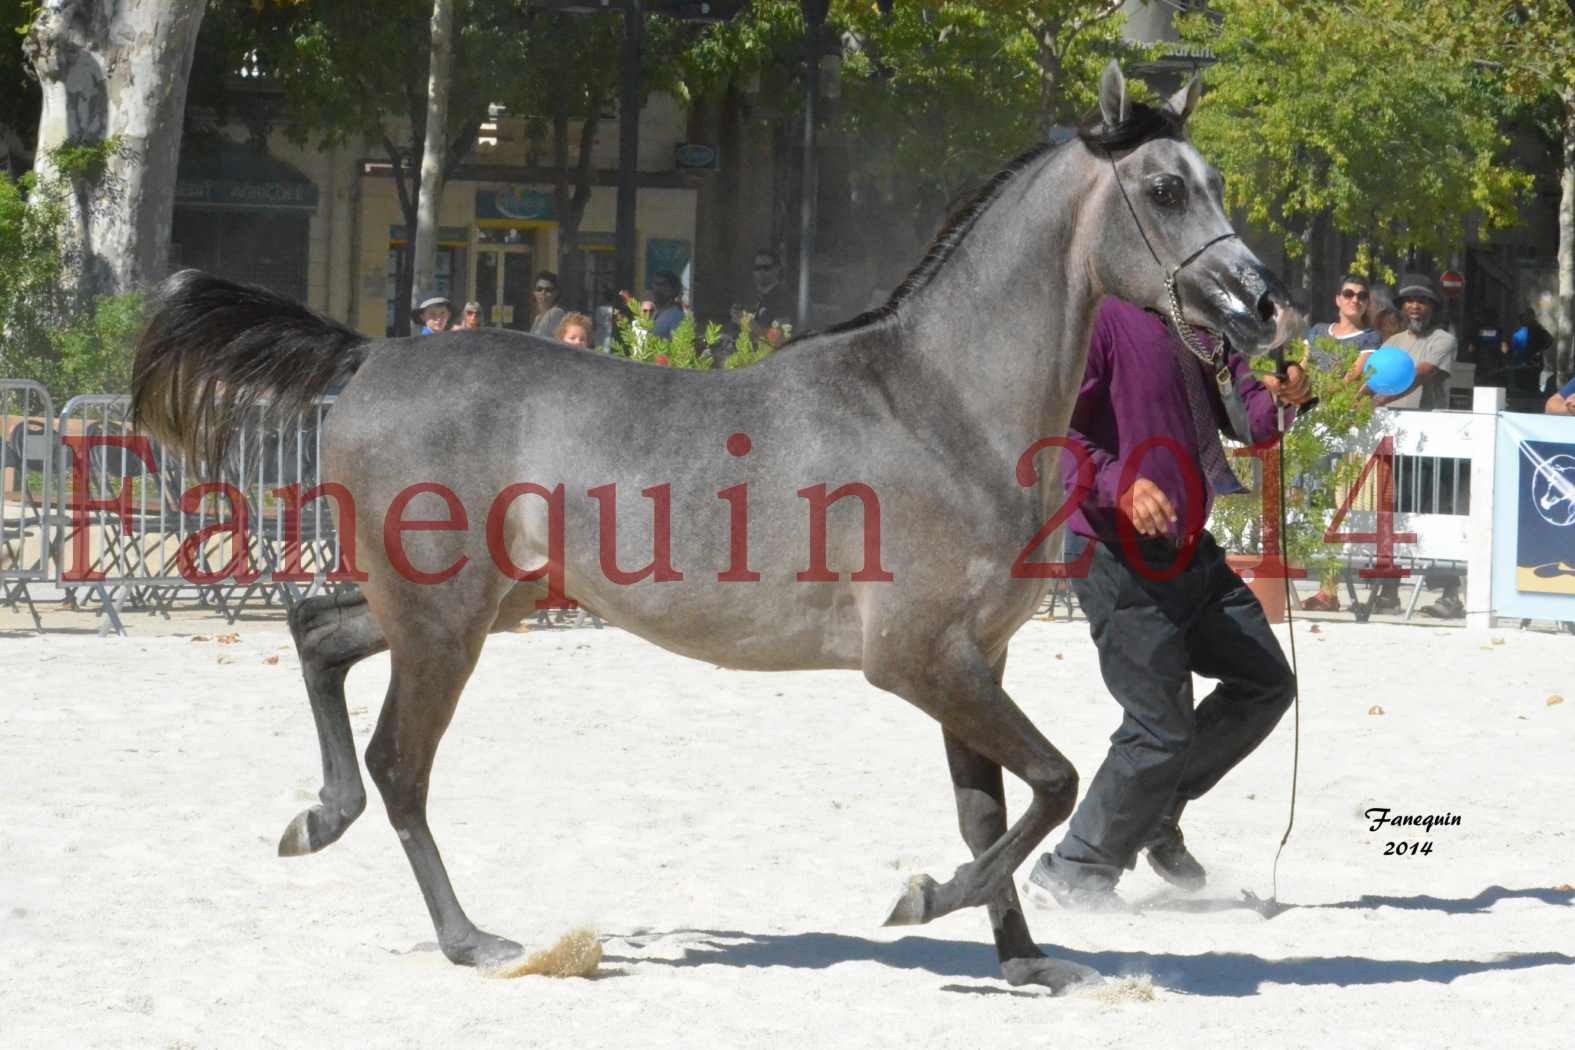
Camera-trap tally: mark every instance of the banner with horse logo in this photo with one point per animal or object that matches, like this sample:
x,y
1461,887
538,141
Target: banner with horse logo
x,y
1534,517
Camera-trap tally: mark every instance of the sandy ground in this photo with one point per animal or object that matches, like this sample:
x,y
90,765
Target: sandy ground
x,y
737,838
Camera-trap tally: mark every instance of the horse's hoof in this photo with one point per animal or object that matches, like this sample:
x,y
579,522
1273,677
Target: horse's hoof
x,y
297,838
314,828
916,904
1058,975
483,950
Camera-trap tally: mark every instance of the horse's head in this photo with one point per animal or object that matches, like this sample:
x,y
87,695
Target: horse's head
x,y
1161,215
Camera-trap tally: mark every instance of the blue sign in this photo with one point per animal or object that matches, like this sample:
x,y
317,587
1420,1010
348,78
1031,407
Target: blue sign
x,y
523,204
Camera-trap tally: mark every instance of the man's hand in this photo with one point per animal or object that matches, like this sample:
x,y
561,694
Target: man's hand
x,y
1294,389
1146,506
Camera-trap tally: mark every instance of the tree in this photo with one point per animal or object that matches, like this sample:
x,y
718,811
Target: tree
x,y
351,69
424,244
113,82
1527,48
1345,114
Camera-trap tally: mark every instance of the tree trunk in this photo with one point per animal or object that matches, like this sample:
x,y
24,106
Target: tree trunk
x,y
433,154
571,197
114,77
1049,79
1566,364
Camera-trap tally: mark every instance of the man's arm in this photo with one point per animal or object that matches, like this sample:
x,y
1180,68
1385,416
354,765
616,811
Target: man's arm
x,y
1562,403
1262,395
1093,400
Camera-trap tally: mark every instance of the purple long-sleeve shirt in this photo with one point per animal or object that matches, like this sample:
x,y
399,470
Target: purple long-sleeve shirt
x,y
1132,393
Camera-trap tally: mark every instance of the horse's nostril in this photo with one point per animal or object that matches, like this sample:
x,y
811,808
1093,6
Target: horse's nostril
x,y
1267,307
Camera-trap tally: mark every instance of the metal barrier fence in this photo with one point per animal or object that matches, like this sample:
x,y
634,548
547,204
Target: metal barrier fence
x,y
27,474
116,519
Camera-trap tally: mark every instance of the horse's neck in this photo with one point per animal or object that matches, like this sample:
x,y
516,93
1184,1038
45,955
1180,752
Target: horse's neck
x,y
1005,322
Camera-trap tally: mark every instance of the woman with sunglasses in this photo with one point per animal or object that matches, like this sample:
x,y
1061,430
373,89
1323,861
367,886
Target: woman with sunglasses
x,y
548,313
1350,326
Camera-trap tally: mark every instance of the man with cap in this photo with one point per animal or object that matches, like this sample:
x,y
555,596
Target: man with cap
x,y
432,314
1430,347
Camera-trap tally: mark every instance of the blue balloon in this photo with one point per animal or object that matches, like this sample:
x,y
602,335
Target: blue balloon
x,y
1389,371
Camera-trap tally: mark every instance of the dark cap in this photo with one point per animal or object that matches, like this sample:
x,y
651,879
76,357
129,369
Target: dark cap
x,y
1418,286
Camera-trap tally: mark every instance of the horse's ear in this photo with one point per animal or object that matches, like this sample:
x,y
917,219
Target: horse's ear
x,y
1113,104
1183,102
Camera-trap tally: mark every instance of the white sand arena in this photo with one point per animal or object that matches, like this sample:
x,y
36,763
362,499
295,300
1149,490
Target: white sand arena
x,y
737,838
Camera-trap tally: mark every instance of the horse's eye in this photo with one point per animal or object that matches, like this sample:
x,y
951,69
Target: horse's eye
x,y
1168,191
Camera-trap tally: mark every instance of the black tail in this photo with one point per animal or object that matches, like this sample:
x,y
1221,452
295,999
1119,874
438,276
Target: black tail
x,y
212,349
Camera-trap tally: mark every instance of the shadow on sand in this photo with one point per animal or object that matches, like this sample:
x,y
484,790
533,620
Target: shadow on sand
x,y
1208,973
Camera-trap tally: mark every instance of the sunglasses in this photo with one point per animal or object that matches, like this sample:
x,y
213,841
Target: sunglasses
x,y
1351,293
545,288
765,266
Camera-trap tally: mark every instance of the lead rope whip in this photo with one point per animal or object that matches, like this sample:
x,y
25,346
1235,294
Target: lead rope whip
x,y
1296,685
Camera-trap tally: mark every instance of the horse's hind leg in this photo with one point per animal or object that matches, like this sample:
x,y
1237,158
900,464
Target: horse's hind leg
x,y
430,669
332,633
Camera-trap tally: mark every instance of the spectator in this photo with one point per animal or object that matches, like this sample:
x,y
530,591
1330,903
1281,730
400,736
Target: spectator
x,y
667,313
472,315
772,305
1525,353
548,313
432,314
575,329
1350,327
1562,401
1429,346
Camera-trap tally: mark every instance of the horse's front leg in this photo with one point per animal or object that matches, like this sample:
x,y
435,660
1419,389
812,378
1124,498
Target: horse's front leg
x,y
985,730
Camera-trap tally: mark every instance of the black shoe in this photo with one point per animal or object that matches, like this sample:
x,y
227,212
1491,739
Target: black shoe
x,y
1386,603
1173,862
1449,607
1048,882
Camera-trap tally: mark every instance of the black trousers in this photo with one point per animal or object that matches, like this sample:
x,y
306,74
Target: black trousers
x,y
1151,636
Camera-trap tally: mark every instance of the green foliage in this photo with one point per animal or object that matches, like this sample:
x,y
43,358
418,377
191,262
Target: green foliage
x,y
30,267
44,335
685,348
93,352
636,341
86,161
1323,454
1352,111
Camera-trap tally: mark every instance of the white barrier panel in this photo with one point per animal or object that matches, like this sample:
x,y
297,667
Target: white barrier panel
x,y
1534,517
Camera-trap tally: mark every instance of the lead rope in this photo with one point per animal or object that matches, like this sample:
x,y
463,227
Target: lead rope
x,y
1296,687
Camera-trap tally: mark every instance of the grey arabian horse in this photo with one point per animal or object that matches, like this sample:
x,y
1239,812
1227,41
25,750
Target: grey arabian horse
x,y
925,407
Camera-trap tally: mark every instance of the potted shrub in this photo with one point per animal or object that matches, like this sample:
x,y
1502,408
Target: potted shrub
x,y
1321,458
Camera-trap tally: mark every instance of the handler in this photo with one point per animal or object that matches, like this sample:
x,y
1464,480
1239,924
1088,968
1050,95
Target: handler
x,y
1165,604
